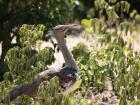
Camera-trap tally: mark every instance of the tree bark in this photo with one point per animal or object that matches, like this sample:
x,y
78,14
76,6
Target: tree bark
x,y
31,88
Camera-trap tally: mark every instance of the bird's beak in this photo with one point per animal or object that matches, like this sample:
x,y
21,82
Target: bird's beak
x,y
66,28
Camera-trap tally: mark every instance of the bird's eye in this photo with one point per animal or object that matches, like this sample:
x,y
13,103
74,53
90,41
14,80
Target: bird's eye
x,y
63,29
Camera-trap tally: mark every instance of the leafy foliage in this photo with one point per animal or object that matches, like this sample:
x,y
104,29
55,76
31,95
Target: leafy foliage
x,y
112,57
26,61
115,58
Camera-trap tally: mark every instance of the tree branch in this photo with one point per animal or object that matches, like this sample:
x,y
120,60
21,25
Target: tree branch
x,y
31,89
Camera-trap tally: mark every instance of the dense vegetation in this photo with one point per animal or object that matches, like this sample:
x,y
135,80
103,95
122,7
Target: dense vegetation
x,y
109,27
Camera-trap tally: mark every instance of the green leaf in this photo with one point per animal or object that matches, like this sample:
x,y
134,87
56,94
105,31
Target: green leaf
x,y
72,88
123,98
85,23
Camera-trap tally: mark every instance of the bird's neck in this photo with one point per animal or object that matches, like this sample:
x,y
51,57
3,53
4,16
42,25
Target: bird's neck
x,y
69,60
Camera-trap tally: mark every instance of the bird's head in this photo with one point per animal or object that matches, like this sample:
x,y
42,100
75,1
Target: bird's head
x,y
59,31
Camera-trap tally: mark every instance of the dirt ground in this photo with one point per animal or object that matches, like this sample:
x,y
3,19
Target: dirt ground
x,y
73,41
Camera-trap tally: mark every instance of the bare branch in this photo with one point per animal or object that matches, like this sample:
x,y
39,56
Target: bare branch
x,y
64,74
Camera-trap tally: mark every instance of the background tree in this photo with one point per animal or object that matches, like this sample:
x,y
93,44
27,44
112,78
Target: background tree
x,y
88,8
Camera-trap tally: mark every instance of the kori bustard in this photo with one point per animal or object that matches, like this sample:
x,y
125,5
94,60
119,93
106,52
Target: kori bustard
x,y
69,72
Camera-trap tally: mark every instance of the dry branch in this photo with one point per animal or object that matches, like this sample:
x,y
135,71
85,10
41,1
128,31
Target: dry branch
x,y
64,74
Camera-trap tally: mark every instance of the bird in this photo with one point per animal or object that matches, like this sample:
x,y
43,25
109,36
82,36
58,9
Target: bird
x,y
69,73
